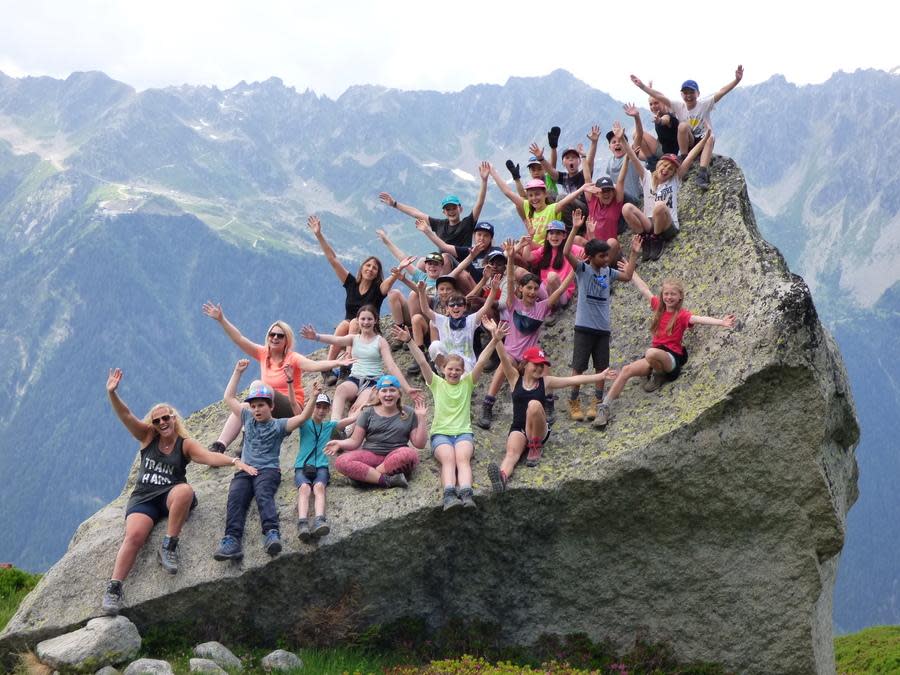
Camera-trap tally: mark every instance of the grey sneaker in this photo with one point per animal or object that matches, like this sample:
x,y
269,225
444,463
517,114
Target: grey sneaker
x,y
320,526
703,178
498,480
602,418
229,549
396,480
304,529
168,555
451,499
466,496
112,599
654,382
273,542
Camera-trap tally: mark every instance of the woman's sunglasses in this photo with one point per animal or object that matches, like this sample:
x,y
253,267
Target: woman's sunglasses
x,y
159,420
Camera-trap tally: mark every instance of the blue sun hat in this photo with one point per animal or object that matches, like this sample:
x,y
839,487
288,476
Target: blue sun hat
x,y
451,199
387,381
690,84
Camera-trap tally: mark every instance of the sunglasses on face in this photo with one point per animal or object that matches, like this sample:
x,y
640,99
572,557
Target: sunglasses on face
x,y
161,419
276,336
456,304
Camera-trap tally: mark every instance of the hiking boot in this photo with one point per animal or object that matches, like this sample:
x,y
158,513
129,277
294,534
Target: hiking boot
x,y
498,478
575,412
535,450
396,480
451,499
414,370
654,382
343,373
602,416
646,246
217,446
273,542
167,555
332,377
550,409
304,529
112,598
656,247
229,549
487,414
590,412
320,526
703,178
466,496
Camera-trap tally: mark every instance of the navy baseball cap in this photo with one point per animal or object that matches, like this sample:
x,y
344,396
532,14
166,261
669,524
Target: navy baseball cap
x,y
485,226
605,183
690,84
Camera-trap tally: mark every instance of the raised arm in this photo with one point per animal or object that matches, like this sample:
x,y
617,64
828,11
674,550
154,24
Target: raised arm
x,y
554,382
497,334
569,198
738,76
246,345
403,335
292,396
230,395
626,269
577,221
391,246
396,273
474,252
423,227
538,153
557,294
484,170
509,249
310,333
424,305
658,95
505,189
587,168
726,321
419,435
402,208
509,370
633,159
140,430
640,284
391,366
315,226
632,111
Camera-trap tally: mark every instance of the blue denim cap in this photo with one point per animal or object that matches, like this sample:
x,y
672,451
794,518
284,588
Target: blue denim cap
x,y
387,381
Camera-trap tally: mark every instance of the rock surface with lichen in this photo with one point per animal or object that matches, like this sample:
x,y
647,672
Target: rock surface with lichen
x,y
710,514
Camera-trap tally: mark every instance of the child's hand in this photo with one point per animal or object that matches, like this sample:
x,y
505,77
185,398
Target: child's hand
x,y
246,468
213,311
637,242
618,131
637,81
500,330
308,332
610,374
420,408
729,320
112,382
317,388
489,324
401,333
331,448
590,227
417,396
484,170
241,365
407,261
288,372
387,199
382,235
478,249
739,73
420,286
347,361
314,224
509,248
422,225
577,218
537,151
631,110
594,134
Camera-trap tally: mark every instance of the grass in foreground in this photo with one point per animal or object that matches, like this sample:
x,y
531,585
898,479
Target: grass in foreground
x,y
870,651
14,586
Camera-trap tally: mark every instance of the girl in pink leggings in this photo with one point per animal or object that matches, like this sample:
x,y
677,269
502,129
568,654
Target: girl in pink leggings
x,y
379,450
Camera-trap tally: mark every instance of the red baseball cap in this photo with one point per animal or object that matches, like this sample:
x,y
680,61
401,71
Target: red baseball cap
x,y
535,355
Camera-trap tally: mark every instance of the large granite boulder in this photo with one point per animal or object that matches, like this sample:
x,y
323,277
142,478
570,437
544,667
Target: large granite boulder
x,y
710,514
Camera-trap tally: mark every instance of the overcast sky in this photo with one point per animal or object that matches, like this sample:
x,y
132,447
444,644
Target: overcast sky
x,y
329,46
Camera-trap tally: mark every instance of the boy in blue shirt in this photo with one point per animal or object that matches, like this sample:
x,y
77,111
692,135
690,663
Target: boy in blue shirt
x,y
263,435
311,474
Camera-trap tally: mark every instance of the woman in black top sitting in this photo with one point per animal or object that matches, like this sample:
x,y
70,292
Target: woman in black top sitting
x,y
529,429
368,287
161,490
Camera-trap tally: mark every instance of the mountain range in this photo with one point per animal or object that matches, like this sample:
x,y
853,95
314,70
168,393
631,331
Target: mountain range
x,y
122,211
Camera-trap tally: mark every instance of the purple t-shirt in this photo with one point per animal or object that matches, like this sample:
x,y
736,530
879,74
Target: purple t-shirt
x,y
525,326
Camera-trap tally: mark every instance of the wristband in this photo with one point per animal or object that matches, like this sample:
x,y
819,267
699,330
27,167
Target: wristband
x,y
290,382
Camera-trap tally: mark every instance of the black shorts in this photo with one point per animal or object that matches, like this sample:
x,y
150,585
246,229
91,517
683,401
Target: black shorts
x,y
156,508
522,431
590,345
680,360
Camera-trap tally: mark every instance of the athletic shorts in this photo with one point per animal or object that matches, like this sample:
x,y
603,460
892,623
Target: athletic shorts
x,y
678,359
589,346
156,508
522,431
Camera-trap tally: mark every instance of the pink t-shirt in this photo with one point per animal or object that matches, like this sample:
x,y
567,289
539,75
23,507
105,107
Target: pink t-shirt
x,y
662,338
524,326
606,217
537,254
274,376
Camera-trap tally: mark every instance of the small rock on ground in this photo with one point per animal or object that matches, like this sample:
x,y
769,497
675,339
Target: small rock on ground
x,y
107,670
281,660
219,653
206,666
149,667
102,642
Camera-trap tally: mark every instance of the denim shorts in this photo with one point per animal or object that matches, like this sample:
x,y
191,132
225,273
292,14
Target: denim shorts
x,y
443,439
323,476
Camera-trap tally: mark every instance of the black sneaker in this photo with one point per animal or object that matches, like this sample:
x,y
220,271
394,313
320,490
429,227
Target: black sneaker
x,y
550,408
217,446
273,542
646,246
656,247
487,414
168,555
703,178
498,481
112,598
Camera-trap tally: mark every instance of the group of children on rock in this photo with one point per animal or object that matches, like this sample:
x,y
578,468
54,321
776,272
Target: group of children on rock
x,y
469,305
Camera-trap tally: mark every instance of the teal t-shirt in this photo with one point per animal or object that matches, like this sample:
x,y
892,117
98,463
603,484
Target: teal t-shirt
x,y
313,438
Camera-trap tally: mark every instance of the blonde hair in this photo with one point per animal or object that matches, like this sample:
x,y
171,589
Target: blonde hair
x,y
179,423
661,306
288,339
656,170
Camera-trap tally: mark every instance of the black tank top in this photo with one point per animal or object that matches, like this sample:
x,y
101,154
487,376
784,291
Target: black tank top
x,y
157,472
521,398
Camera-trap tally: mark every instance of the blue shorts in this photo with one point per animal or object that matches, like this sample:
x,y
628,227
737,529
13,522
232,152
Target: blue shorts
x,y
323,476
443,439
156,508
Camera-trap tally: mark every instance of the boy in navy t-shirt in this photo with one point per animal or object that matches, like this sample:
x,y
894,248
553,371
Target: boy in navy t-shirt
x,y
263,435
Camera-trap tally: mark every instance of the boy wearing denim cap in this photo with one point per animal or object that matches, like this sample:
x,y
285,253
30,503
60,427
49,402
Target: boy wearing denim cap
x,y
263,435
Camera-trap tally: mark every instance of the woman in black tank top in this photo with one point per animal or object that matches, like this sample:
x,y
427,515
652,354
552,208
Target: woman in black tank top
x,y
530,390
162,489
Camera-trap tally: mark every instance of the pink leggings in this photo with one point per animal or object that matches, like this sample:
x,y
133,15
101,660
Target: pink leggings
x,y
356,463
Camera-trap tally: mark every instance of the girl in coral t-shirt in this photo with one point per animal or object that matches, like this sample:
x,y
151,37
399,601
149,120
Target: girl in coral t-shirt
x,y
662,362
